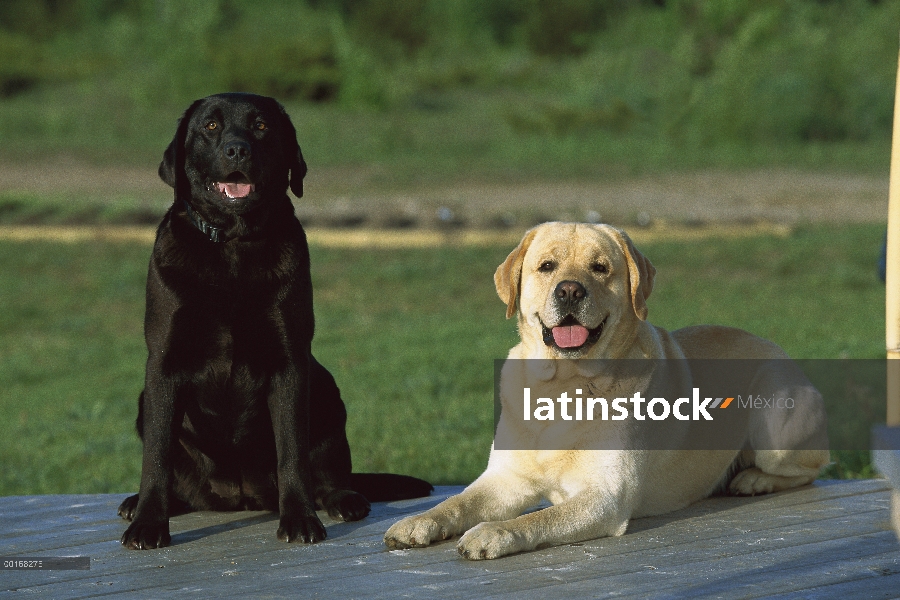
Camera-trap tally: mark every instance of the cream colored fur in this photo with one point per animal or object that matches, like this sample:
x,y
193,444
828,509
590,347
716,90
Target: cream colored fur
x,y
594,493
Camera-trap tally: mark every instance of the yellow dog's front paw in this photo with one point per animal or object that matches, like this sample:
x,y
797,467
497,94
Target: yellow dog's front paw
x,y
486,541
414,532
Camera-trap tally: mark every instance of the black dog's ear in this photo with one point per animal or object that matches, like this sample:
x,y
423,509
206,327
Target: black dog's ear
x,y
298,172
167,166
172,155
295,156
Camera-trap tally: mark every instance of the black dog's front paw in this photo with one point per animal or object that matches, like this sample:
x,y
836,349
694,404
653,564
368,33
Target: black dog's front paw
x,y
308,530
127,508
147,535
346,505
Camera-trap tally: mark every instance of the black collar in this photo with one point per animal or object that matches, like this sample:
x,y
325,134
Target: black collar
x,y
215,234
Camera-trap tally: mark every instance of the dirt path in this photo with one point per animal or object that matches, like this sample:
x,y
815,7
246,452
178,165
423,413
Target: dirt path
x,y
344,197
382,238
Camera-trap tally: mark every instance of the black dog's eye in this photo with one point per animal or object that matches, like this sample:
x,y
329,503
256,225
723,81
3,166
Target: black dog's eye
x,y
212,125
599,268
261,126
547,266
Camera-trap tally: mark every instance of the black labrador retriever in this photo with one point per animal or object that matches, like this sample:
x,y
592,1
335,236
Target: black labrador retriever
x,y
236,413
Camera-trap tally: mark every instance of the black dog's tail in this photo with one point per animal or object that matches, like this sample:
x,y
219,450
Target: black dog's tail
x,y
386,487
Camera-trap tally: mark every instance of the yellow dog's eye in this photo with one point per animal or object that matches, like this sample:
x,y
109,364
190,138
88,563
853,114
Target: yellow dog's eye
x,y
599,268
212,125
547,266
261,126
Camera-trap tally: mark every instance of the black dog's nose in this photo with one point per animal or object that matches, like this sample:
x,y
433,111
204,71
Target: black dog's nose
x,y
569,292
237,150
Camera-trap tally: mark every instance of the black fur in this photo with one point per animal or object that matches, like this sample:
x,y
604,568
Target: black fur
x,y
236,413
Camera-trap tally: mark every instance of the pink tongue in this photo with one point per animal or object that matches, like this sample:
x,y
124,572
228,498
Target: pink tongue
x,y
235,190
570,336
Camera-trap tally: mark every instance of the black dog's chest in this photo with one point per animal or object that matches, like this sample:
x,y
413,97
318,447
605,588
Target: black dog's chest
x,y
232,340
230,320
229,313
226,347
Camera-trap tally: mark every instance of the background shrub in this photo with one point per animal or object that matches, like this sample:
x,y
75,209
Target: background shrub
x,y
704,77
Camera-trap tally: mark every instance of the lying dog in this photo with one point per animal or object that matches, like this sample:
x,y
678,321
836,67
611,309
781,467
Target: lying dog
x,y
580,292
236,413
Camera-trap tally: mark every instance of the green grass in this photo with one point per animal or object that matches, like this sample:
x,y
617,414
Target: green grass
x,y
410,336
489,134
68,208
71,366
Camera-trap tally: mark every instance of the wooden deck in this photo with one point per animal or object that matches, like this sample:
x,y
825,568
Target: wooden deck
x,y
829,540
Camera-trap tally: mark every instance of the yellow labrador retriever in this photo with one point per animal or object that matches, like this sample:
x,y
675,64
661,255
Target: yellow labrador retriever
x,y
579,292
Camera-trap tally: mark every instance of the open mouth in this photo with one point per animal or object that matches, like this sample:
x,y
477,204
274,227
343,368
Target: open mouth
x,y
235,186
571,335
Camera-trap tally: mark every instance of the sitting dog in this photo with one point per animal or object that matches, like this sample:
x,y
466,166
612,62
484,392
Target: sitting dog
x,y
236,413
579,292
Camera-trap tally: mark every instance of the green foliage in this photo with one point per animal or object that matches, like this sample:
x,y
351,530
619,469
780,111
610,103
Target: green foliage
x,y
300,50
401,22
690,71
410,336
794,70
559,27
20,64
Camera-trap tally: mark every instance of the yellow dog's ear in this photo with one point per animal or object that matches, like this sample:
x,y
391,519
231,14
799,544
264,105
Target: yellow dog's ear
x,y
640,273
508,276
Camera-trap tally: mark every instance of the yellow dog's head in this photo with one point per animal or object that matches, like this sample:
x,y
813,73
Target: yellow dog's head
x,y
579,289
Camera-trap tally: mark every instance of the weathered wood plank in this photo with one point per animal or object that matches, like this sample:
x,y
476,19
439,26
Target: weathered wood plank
x,y
760,573
821,541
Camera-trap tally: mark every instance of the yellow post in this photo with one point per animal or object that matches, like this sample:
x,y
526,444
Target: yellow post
x,y
887,460
892,274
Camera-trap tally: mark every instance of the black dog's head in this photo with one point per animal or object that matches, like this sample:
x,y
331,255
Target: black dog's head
x,y
233,152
